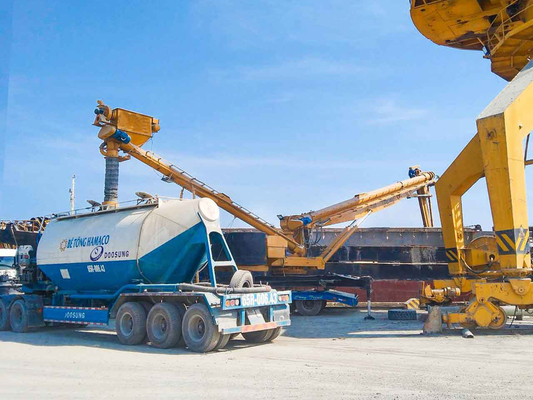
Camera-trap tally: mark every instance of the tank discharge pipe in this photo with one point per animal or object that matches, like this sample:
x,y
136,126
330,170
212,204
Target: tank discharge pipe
x,y
111,181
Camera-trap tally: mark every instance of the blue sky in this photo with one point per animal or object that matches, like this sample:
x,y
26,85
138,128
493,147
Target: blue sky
x,y
285,106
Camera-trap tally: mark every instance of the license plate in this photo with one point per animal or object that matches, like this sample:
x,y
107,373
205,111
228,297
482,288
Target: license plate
x,y
254,300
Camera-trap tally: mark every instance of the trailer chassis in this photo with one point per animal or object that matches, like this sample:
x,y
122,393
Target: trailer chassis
x,y
311,293
258,315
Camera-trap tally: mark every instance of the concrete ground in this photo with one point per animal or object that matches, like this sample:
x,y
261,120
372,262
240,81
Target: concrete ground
x,y
337,355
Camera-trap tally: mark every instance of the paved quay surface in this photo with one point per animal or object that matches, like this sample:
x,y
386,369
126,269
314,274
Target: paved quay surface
x,y
336,355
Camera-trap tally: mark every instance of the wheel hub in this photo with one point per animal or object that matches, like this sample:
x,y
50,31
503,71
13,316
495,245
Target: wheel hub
x,y
198,328
126,324
160,327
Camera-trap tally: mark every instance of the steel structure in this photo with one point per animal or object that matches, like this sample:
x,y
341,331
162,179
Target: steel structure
x,y
127,131
492,269
502,29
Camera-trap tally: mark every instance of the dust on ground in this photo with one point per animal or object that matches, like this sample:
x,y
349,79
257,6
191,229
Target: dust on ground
x,y
336,355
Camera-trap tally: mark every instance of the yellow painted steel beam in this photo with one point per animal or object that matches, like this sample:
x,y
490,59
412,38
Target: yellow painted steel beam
x,y
278,241
200,189
496,153
341,239
138,129
503,29
360,204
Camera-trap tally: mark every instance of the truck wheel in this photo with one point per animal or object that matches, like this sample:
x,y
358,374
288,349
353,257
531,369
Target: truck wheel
x,y
275,333
130,323
241,279
18,317
5,325
222,342
269,335
164,325
147,306
309,308
199,331
182,310
257,337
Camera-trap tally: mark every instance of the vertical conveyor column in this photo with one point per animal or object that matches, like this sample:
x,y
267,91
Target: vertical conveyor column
x,y
111,175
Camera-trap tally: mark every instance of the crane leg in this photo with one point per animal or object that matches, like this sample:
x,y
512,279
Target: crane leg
x,y
497,154
502,150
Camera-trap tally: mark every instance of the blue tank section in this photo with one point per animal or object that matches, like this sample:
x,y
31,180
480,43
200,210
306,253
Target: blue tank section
x,y
175,261
178,259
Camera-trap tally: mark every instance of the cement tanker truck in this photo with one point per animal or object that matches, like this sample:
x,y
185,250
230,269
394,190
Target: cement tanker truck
x,y
152,267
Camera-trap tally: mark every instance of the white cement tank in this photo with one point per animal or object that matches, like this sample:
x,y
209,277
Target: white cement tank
x,y
165,242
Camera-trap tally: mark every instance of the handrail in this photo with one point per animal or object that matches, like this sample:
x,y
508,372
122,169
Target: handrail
x,y
500,36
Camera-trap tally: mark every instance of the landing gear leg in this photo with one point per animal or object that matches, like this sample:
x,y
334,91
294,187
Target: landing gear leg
x,y
369,316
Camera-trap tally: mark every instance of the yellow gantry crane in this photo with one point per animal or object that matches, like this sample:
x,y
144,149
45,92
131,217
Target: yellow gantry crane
x,y
502,29
492,269
287,248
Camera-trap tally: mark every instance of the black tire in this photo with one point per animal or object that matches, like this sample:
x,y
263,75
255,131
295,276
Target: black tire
x,y
199,331
275,333
5,325
402,315
146,305
309,308
163,325
130,323
269,336
182,310
18,317
241,279
222,342
257,336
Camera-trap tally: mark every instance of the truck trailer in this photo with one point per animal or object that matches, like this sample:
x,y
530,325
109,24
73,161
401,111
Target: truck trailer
x,y
150,266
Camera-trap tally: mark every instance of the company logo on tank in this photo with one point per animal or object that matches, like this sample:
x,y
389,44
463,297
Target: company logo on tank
x,y
88,241
96,253
99,251
116,254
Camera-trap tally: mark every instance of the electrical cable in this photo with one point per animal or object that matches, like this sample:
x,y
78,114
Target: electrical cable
x,y
526,147
489,266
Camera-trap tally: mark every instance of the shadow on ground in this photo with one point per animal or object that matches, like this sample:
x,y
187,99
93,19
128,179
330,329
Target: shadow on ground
x,y
345,323
101,337
332,323
349,323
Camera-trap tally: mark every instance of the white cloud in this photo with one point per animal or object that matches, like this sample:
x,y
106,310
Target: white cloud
x,y
388,111
190,162
258,23
304,68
